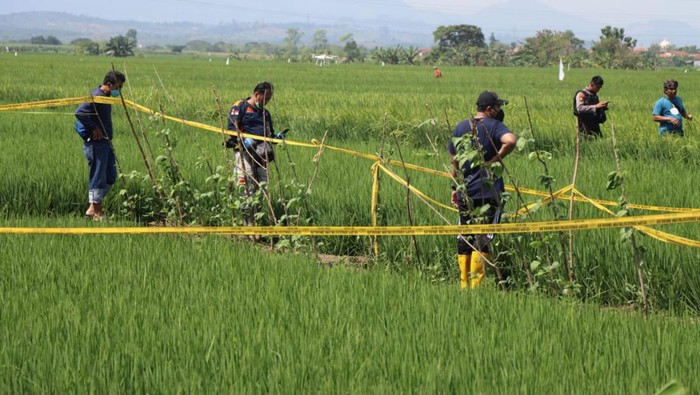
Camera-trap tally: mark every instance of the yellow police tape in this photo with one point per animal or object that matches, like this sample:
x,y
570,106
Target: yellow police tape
x,y
531,227
412,188
684,214
314,144
657,234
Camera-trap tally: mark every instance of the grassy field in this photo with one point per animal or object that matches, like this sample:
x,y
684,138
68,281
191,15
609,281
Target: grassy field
x,y
168,314
120,314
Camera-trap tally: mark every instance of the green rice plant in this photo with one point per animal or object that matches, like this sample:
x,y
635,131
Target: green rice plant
x,y
44,173
116,313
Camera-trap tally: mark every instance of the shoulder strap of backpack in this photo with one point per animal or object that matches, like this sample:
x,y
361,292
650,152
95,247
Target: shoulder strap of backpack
x,y
242,108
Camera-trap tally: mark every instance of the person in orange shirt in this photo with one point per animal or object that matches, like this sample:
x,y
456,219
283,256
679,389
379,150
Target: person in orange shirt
x,y
436,72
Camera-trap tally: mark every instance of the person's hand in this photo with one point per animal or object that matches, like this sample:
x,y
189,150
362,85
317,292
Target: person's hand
x,y
97,134
689,117
282,135
674,121
455,200
603,104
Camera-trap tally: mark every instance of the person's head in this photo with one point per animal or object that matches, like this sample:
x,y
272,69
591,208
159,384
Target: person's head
x,y
596,84
671,88
262,94
114,81
435,68
490,104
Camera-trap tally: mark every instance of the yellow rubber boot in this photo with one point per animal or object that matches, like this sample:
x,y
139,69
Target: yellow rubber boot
x,y
463,261
477,268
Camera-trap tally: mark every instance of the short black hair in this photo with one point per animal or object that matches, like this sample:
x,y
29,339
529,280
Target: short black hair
x,y
670,84
597,80
114,77
263,88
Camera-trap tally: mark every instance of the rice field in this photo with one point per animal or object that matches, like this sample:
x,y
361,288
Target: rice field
x,y
214,314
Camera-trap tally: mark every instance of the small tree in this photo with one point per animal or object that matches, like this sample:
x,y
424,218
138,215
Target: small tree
x,y
351,49
121,46
547,46
615,50
320,41
86,47
409,55
292,42
51,40
454,43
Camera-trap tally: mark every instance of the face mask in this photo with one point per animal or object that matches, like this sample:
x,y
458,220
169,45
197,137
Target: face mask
x,y
115,93
500,115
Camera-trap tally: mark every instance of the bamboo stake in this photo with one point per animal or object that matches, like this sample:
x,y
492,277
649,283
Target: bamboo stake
x,y
572,276
637,255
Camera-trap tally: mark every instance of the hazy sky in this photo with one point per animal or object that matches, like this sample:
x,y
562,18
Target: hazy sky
x,y
615,12
213,11
596,13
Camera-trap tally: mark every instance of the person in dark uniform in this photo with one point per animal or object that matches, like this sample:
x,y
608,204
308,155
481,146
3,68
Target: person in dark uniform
x,y
589,110
486,134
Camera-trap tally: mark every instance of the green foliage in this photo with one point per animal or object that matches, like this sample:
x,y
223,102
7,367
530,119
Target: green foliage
x,y
49,40
210,314
320,41
615,50
291,43
398,55
547,47
356,104
672,388
459,36
121,46
459,45
87,48
352,51
234,319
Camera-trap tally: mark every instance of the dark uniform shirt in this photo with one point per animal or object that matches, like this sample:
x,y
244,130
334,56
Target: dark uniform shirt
x,y
489,134
253,121
589,117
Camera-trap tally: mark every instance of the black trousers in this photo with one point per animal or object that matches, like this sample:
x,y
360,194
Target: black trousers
x,y
478,242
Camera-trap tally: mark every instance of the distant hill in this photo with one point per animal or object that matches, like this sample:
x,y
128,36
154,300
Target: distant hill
x,y
67,27
504,20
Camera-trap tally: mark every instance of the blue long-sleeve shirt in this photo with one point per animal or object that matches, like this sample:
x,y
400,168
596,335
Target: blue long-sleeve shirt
x,y
91,116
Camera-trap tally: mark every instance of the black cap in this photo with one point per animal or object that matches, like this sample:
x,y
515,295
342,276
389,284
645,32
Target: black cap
x,y
489,98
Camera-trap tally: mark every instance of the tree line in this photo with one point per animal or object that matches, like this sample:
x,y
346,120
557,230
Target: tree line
x,y
457,45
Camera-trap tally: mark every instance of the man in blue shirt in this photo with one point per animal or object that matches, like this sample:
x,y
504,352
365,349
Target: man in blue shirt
x,y
669,111
94,126
479,143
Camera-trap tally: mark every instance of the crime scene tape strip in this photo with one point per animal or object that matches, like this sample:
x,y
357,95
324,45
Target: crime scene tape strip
x,y
56,103
532,227
547,199
314,144
413,189
535,192
657,234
